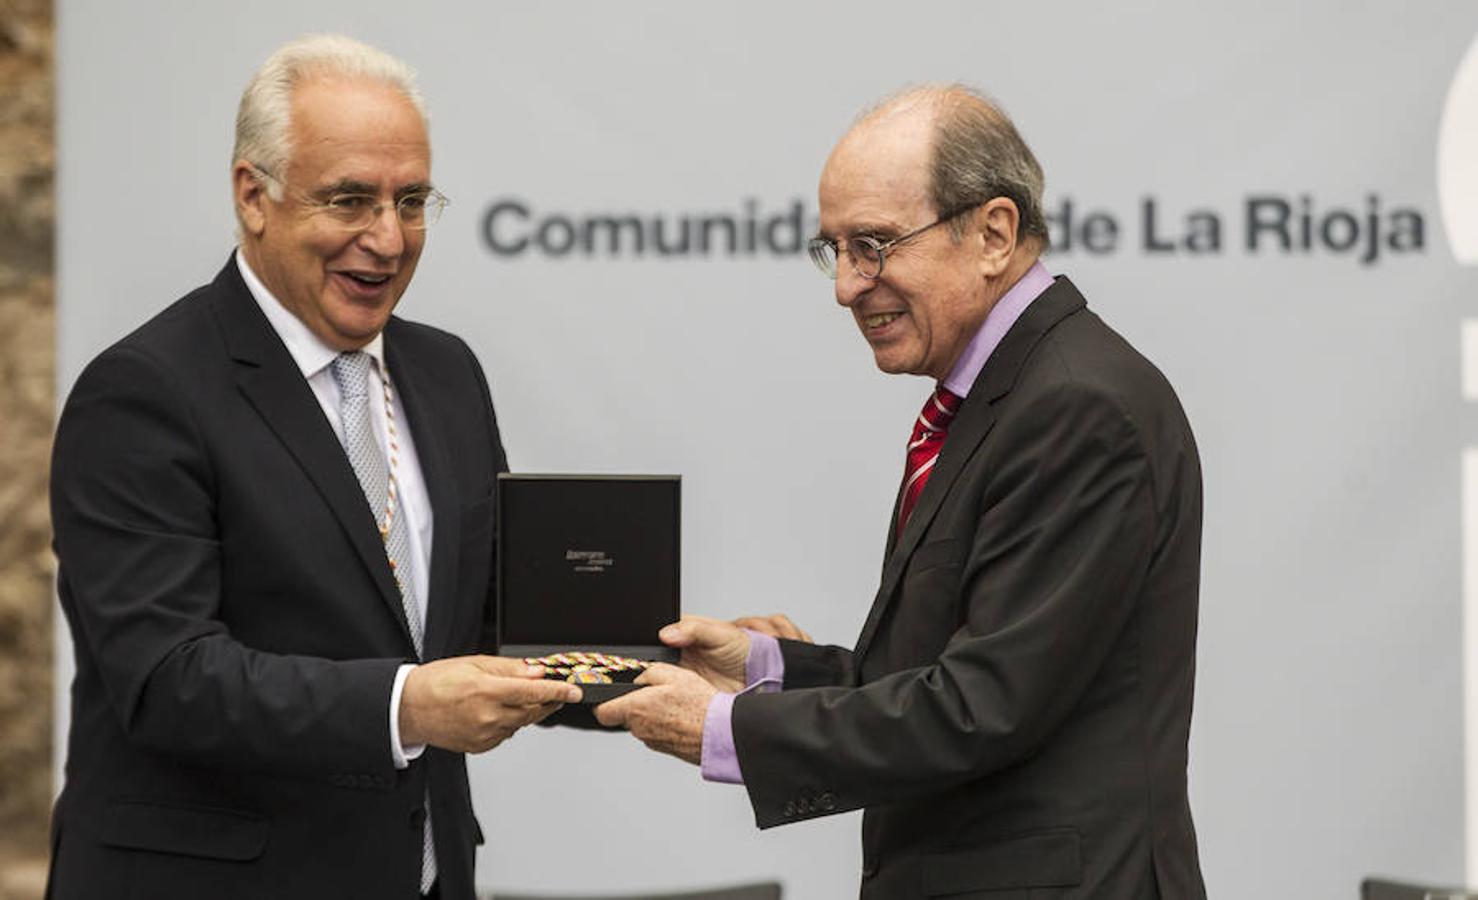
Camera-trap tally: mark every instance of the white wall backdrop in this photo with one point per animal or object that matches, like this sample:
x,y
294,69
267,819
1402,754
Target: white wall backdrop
x,y
1316,346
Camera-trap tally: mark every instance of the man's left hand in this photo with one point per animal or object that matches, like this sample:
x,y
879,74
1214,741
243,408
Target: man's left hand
x,y
667,715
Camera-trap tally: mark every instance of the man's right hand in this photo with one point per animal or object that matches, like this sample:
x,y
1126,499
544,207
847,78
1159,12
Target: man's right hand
x,y
474,703
715,649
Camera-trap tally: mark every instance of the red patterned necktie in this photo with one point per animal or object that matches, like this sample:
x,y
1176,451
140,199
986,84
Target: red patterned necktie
x,y
923,448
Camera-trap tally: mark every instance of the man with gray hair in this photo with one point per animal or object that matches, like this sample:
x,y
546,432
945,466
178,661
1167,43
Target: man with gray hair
x,y
1014,717
274,525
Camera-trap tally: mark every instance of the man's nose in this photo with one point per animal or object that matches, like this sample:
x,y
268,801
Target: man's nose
x,y
850,285
385,236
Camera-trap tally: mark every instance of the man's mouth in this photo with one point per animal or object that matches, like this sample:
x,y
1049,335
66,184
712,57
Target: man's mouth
x,y
365,286
878,320
367,278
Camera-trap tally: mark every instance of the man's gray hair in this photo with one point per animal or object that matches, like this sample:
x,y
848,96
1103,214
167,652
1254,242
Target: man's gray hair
x,y
978,155
264,118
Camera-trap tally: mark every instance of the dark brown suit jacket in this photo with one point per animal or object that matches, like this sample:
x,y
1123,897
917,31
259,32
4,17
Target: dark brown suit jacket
x,y
1015,714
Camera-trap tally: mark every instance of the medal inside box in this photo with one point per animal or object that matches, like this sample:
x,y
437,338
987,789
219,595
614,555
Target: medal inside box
x,y
600,676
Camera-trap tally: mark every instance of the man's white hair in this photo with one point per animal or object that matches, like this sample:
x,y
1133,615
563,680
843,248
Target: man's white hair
x,y
264,118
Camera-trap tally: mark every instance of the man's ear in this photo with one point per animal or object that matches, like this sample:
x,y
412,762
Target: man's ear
x,y
249,190
996,224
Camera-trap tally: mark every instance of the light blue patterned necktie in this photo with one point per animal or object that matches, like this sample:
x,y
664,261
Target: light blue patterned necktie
x,y
351,373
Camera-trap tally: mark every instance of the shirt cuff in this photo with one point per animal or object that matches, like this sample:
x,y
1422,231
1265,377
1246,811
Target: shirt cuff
x,y
764,668
720,762
399,754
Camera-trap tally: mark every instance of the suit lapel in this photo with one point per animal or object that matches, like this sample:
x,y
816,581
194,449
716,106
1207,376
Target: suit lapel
x,y
968,430
416,387
272,383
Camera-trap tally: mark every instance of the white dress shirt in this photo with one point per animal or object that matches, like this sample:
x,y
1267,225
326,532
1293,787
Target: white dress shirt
x,y
313,357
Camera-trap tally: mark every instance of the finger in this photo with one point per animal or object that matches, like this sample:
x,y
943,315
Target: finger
x,y
662,673
498,736
776,626
697,632
761,624
538,714
614,712
528,715
529,692
506,667
678,634
789,629
654,743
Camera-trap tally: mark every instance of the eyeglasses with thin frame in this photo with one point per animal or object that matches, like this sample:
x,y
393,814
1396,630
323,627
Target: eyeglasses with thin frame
x,y
867,253
417,210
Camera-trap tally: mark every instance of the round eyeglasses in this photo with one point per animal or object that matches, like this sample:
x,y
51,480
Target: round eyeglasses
x,y
867,253
416,210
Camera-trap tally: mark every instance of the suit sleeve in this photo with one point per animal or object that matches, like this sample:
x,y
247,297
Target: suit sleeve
x,y
137,536
815,665
1061,546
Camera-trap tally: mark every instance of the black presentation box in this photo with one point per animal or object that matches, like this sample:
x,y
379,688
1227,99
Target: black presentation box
x,y
588,563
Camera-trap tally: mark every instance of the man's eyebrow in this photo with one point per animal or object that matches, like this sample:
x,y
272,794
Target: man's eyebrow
x,y
874,229
351,186
347,186
868,228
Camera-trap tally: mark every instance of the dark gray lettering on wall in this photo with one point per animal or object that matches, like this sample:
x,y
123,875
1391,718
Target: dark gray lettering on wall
x,y
513,228
1367,230
1305,227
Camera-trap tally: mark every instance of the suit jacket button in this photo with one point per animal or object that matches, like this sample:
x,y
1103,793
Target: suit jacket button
x,y
869,868
789,809
827,801
418,818
804,806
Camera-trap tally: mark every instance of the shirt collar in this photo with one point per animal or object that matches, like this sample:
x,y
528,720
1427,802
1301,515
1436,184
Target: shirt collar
x,y
309,353
997,322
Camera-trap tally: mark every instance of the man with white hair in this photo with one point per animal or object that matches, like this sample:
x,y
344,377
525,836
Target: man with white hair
x,y
1014,717
273,515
